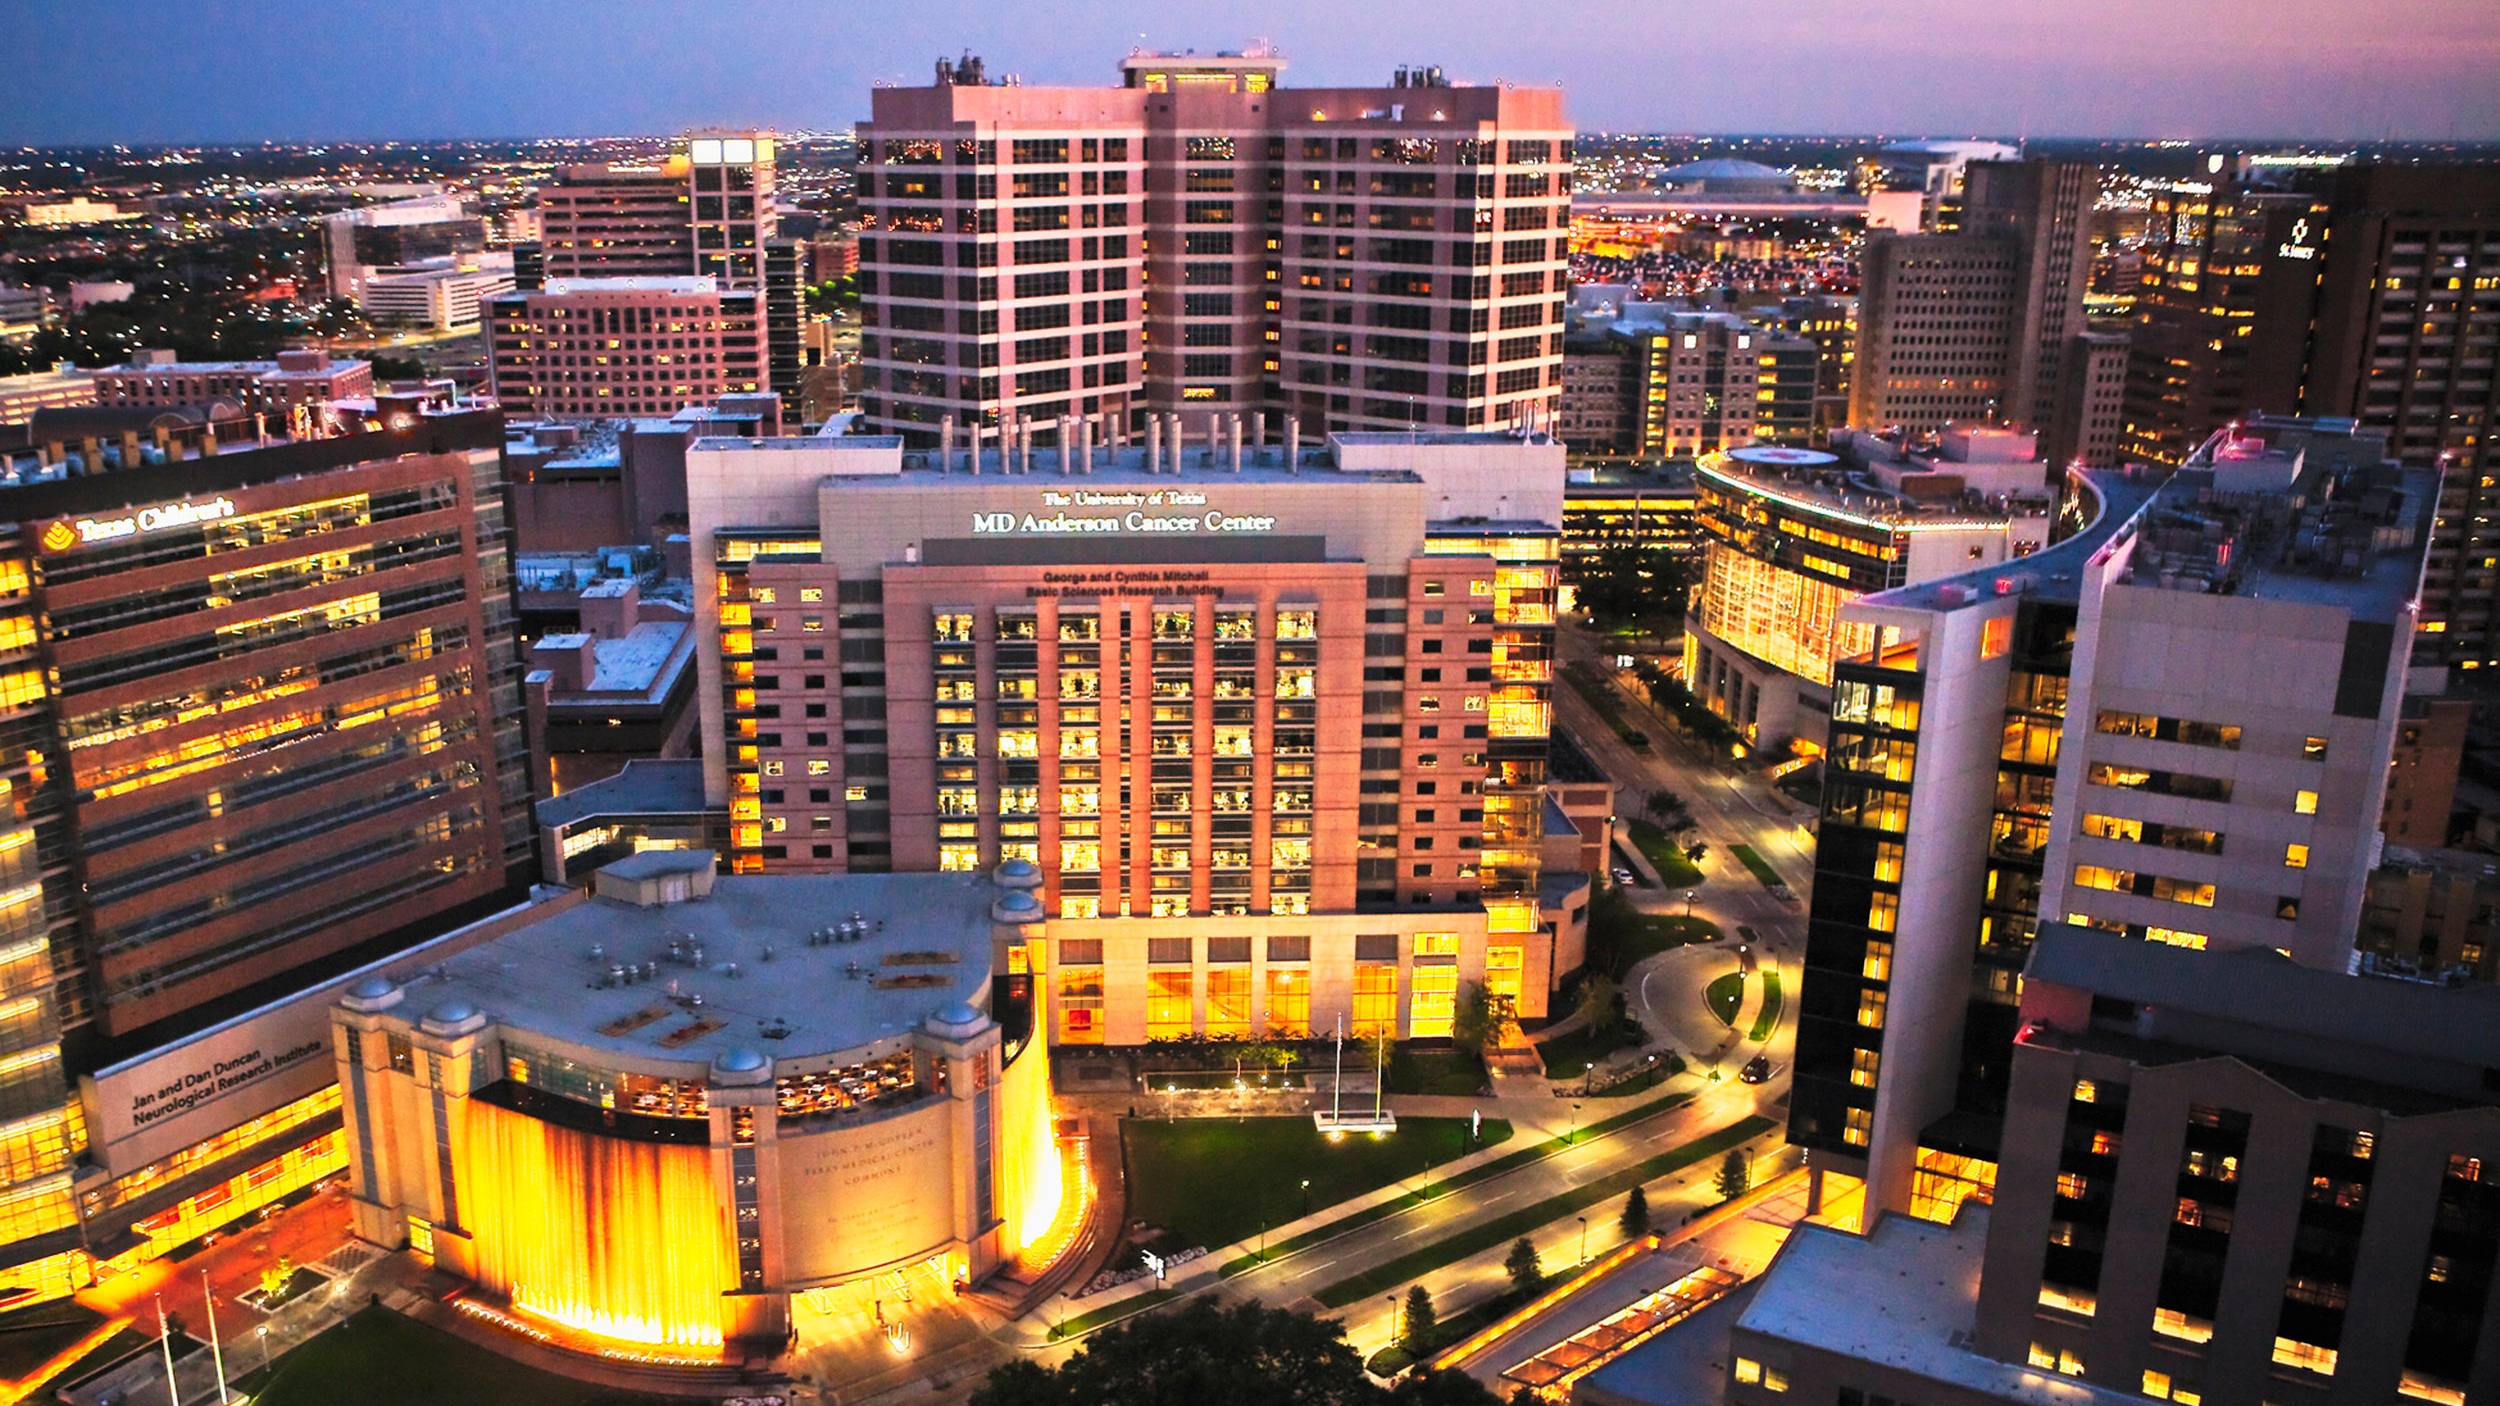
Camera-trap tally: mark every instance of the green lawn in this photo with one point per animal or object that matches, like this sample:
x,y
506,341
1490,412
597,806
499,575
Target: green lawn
x,y
1769,1019
1726,995
1674,870
378,1358
1569,1056
1212,1181
1620,934
1452,1073
1382,1278
1752,859
1656,935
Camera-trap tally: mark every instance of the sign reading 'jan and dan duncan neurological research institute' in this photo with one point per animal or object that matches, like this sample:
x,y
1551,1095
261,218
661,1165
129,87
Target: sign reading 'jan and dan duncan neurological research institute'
x,y
1158,511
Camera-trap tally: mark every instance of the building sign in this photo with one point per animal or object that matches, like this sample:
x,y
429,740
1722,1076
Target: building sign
x,y
147,1108
1155,511
2298,246
87,531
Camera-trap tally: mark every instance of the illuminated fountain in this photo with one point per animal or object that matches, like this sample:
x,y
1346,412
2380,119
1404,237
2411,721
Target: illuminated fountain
x,y
615,1238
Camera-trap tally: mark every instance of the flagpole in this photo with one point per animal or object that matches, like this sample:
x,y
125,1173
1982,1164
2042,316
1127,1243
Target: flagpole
x,y
165,1340
216,1350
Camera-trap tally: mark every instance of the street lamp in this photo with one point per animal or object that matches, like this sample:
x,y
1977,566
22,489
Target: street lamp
x,y
1575,1121
1393,1320
1306,1196
1584,1238
262,1332
1688,903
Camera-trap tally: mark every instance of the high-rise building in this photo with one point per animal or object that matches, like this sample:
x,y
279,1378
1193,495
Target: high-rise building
x,y
2226,1179
1667,380
2091,419
2174,724
2244,1180
2422,773
706,211
2402,338
1831,323
1934,345
1793,535
2368,295
1304,696
1979,324
623,346
1196,242
613,221
1595,416
266,715
2214,321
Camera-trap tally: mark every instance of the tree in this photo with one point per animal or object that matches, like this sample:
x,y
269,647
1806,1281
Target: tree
x,y
1416,1333
1735,1175
1635,1214
1696,851
1202,1354
1524,1271
1479,1019
1670,810
1601,1004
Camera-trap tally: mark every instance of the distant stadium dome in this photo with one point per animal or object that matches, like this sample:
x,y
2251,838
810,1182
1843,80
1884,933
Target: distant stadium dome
x,y
1728,176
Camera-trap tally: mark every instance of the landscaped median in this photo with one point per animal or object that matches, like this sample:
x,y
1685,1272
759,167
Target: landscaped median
x,y
1768,1018
1384,1277
1752,859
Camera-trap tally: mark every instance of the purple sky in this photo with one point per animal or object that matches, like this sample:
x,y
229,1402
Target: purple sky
x,y
189,70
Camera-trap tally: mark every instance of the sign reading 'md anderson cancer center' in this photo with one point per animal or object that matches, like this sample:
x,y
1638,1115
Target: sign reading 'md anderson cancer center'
x,y
1150,511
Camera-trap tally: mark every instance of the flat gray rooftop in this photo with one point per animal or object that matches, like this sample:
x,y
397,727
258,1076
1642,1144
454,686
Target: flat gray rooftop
x,y
2259,989
2055,571
644,787
927,947
1897,1297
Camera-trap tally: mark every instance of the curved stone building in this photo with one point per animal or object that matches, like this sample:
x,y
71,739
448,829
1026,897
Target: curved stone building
x,y
655,1112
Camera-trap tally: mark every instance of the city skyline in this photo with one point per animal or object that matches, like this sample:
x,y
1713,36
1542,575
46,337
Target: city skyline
x,y
2318,70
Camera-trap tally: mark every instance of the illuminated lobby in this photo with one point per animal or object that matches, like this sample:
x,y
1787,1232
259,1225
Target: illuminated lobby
x,y
652,1115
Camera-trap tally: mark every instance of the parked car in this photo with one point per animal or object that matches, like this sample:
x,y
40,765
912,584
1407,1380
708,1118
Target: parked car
x,y
1626,876
1756,1070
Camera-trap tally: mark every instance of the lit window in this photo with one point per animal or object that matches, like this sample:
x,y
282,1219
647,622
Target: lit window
x,y
2170,1322
2305,803
2296,856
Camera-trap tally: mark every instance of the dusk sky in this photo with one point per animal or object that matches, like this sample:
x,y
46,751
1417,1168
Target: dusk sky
x,y
192,70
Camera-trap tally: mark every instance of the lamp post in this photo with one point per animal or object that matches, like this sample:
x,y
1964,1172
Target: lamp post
x,y
1688,903
1306,1196
262,1332
1393,1320
1574,1135
1584,1238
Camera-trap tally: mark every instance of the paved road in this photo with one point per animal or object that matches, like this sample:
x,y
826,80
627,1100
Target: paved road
x,y
1731,808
